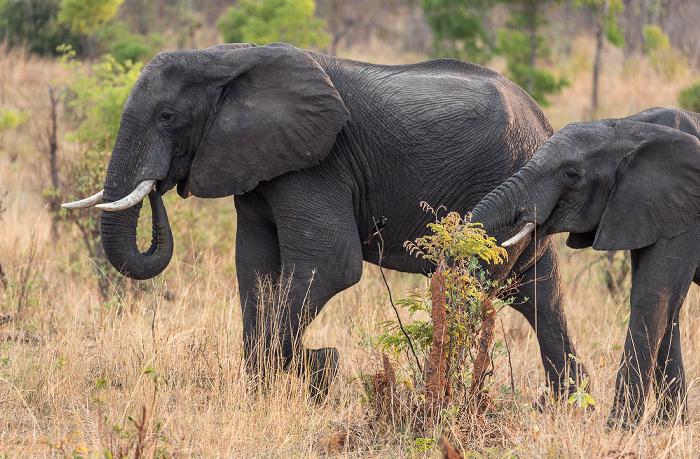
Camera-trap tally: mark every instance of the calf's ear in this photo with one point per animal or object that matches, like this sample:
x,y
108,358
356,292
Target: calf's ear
x,y
657,187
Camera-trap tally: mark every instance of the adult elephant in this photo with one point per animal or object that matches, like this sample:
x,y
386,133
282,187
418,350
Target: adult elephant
x,y
622,184
314,148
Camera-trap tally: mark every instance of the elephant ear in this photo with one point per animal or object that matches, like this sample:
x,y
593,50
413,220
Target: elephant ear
x,y
657,187
580,240
277,111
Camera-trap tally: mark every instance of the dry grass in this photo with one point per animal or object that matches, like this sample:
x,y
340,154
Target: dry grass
x,y
66,339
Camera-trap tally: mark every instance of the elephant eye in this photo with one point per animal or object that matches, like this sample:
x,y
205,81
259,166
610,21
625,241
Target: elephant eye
x,y
167,118
571,177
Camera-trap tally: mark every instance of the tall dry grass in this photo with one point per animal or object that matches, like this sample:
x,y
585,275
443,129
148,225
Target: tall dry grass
x,y
71,365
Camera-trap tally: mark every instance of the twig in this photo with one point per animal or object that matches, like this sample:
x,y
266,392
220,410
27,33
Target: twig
x,y
380,246
510,363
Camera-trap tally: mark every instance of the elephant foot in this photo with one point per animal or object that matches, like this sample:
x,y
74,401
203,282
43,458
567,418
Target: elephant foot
x,y
321,366
625,417
670,413
621,423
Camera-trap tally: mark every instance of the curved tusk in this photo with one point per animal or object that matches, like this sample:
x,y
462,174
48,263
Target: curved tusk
x,y
85,203
136,196
520,236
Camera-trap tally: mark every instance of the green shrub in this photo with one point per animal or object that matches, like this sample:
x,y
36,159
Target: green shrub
x,y
667,61
689,98
267,21
125,46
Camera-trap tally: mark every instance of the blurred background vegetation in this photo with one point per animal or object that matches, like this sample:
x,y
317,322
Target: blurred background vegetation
x,y
529,37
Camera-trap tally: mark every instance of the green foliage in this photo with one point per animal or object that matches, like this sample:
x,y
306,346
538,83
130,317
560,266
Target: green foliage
x,y
581,398
516,47
524,48
667,61
467,287
459,29
97,99
267,21
689,98
655,39
85,17
10,119
608,12
125,46
34,23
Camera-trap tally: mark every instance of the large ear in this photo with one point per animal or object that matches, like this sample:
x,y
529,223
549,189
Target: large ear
x,y
657,188
277,111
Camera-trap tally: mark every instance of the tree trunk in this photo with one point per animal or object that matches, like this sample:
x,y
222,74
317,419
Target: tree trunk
x,y
600,41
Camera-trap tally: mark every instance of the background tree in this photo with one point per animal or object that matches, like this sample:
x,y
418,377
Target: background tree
x,y
85,17
34,23
606,13
522,44
267,21
461,30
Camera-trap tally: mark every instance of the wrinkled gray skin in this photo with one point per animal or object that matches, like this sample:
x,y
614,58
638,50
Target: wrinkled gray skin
x,y
623,184
313,147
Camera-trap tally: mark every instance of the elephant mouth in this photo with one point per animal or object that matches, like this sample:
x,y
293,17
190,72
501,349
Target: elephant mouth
x,y
183,188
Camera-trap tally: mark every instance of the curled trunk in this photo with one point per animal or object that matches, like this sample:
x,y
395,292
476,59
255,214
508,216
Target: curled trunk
x,y
119,240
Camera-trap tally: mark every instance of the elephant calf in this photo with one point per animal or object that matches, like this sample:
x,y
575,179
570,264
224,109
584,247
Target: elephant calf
x,y
315,148
622,184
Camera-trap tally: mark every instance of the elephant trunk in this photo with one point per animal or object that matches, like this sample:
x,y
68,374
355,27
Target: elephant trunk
x,y
132,172
119,240
507,205
523,199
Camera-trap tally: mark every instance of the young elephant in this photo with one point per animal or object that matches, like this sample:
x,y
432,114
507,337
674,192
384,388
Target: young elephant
x,y
622,184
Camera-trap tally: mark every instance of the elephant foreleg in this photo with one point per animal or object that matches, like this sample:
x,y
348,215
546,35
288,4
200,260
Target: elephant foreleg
x,y
257,264
661,277
670,384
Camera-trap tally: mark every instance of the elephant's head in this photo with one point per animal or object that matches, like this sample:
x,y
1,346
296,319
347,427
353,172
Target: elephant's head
x,y
611,184
214,122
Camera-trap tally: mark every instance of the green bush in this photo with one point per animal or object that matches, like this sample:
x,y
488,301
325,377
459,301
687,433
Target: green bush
x,y
516,48
34,24
689,98
667,61
125,46
267,21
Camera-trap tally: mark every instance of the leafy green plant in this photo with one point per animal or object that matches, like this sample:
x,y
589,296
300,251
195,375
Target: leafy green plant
x,y
86,17
267,21
581,398
470,299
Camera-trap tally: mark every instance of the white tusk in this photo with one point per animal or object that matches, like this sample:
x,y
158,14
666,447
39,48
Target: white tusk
x,y
136,196
520,236
85,203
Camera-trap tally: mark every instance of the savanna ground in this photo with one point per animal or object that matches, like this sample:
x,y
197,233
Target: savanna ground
x,y
72,366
